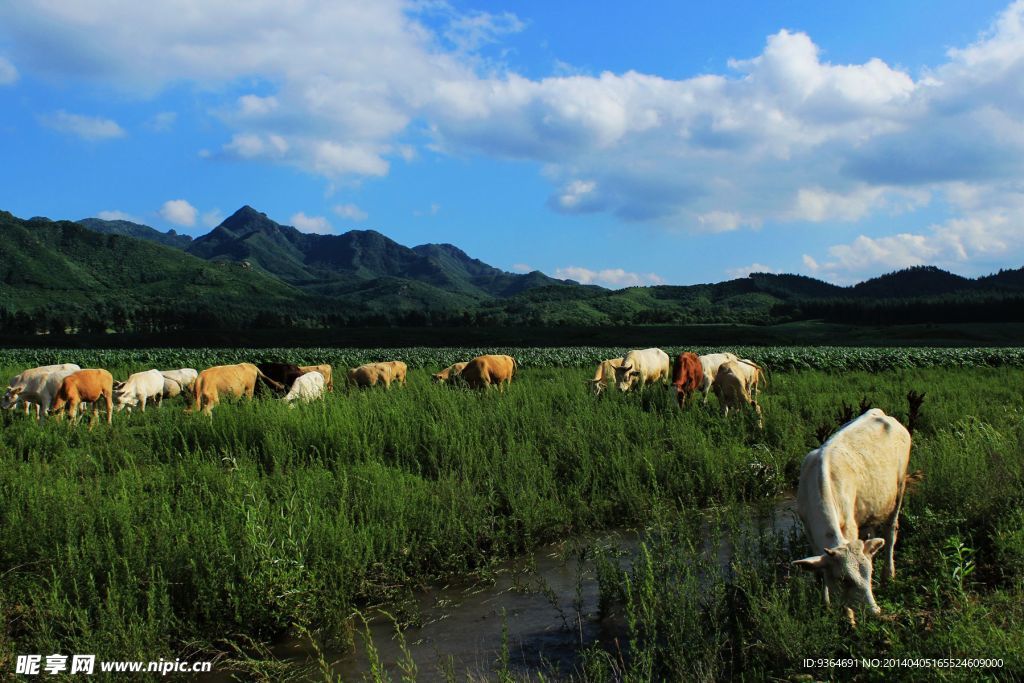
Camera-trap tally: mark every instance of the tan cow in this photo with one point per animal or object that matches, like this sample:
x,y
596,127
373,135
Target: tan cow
x,y
222,381
604,375
709,364
753,376
484,371
324,370
851,487
449,374
730,387
85,386
370,374
398,370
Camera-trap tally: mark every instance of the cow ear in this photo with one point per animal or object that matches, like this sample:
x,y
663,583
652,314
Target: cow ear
x,y
811,564
873,545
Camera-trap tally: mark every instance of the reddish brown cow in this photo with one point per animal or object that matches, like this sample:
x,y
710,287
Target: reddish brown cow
x,y
687,375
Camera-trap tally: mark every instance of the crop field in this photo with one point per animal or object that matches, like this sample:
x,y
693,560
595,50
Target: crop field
x,y
170,534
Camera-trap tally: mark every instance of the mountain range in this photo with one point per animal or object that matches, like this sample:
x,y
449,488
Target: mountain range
x,y
250,272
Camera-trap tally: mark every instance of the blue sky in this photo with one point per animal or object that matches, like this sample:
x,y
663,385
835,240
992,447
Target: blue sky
x,y
616,143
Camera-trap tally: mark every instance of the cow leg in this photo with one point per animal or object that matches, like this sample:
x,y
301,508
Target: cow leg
x,y
110,408
889,571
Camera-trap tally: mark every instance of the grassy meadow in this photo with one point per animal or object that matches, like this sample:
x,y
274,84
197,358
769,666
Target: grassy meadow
x,y
173,535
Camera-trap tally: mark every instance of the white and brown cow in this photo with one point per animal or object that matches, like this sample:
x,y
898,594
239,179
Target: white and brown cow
x,y
42,370
36,388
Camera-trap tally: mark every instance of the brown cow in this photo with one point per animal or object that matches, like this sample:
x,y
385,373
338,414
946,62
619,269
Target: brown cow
x,y
324,370
370,374
227,380
450,374
483,371
87,386
687,375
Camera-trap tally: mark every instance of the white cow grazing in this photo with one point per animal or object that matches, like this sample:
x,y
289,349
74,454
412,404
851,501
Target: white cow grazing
x,y
710,364
308,387
42,370
604,375
38,389
140,388
178,381
640,368
850,487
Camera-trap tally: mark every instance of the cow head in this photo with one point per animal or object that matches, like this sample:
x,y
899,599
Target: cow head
x,y
847,570
626,377
440,377
124,399
11,397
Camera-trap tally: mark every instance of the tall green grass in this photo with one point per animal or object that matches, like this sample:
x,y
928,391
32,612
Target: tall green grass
x,y
169,533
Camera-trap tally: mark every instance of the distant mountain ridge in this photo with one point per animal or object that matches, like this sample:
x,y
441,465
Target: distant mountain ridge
x,y
136,230
251,272
322,263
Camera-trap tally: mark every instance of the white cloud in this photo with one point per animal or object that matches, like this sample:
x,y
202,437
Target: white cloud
x,y
578,195
351,212
179,212
117,215
162,122
90,128
211,218
720,221
468,32
254,105
782,135
744,271
522,268
315,224
432,210
8,72
609,277
255,146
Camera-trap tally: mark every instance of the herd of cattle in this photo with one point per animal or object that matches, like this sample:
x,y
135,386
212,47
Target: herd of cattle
x,y
850,487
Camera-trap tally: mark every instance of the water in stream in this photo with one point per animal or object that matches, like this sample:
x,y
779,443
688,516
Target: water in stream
x,y
544,608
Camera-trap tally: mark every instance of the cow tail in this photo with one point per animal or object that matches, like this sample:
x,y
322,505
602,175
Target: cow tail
x,y
911,481
515,366
271,383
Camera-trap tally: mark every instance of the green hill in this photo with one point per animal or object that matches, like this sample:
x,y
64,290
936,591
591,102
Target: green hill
x,y
136,230
253,273
63,267
334,265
